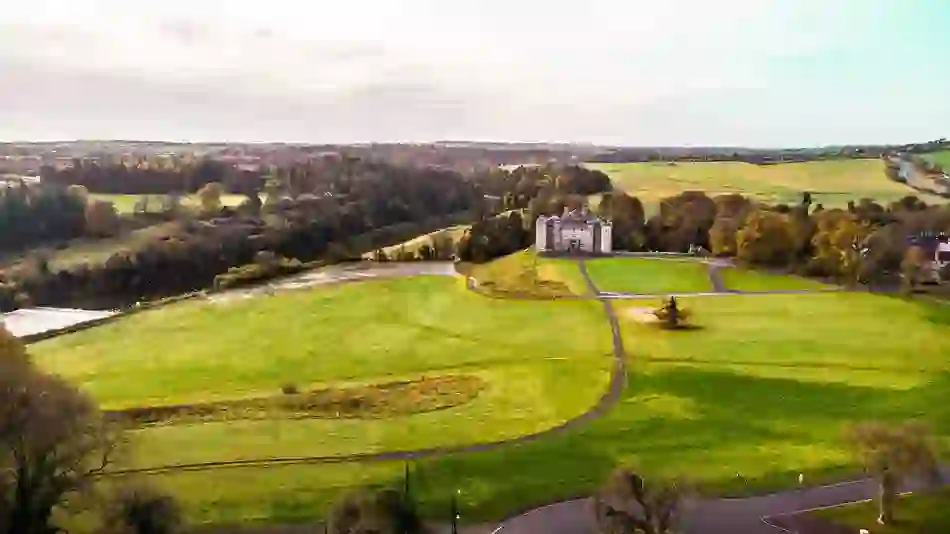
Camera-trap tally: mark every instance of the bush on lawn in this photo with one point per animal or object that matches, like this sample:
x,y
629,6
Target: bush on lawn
x,y
672,316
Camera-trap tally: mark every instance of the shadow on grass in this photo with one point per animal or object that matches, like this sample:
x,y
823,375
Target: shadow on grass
x,y
717,416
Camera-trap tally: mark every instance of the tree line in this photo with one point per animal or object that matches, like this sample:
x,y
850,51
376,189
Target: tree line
x,y
145,177
865,242
359,208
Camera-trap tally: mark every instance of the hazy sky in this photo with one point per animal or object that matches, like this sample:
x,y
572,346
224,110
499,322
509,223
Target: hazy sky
x,y
636,72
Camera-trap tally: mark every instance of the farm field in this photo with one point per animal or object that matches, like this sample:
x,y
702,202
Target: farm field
x,y
832,183
764,389
649,276
915,514
92,250
347,336
125,204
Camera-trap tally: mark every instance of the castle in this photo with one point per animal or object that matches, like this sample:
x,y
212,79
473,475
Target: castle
x,y
575,231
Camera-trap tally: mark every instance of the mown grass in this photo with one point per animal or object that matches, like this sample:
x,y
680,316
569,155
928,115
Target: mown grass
x,y
926,513
762,392
537,372
832,183
649,276
753,281
525,274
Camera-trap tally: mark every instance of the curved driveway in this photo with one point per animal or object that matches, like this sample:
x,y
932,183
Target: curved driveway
x,y
358,272
753,515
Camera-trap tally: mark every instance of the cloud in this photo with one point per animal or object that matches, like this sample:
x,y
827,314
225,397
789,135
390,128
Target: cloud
x,y
647,72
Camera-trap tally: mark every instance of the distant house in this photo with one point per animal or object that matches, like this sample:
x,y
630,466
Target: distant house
x,y
937,249
575,231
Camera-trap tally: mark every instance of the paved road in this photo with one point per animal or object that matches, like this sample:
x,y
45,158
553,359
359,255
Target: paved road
x,y
753,515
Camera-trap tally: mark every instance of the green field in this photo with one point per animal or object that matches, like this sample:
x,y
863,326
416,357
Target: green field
x,y
125,204
941,158
914,514
832,183
649,276
367,333
753,281
763,388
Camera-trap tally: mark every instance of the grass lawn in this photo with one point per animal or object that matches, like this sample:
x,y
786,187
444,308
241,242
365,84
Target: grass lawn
x,y
764,389
832,183
515,274
538,372
751,280
648,276
915,514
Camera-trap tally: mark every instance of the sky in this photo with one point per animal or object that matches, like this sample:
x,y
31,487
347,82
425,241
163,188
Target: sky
x,y
619,72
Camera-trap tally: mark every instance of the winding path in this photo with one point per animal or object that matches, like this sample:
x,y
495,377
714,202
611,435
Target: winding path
x,y
618,380
753,515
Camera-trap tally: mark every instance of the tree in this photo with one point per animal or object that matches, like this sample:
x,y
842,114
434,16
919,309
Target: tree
x,y
375,512
101,219
627,504
78,192
210,196
839,243
765,238
892,453
142,510
53,443
914,268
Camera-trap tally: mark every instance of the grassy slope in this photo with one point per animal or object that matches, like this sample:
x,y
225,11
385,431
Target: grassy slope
x,y
915,514
832,183
638,275
509,274
413,245
371,332
764,389
749,280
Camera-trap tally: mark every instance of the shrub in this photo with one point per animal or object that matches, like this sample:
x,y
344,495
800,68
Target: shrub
x,y
671,315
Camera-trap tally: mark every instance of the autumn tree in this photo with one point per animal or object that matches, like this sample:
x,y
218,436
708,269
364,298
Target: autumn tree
x,y
840,244
731,211
210,196
892,453
102,220
628,504
915,268
626,214
765,238
53,443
